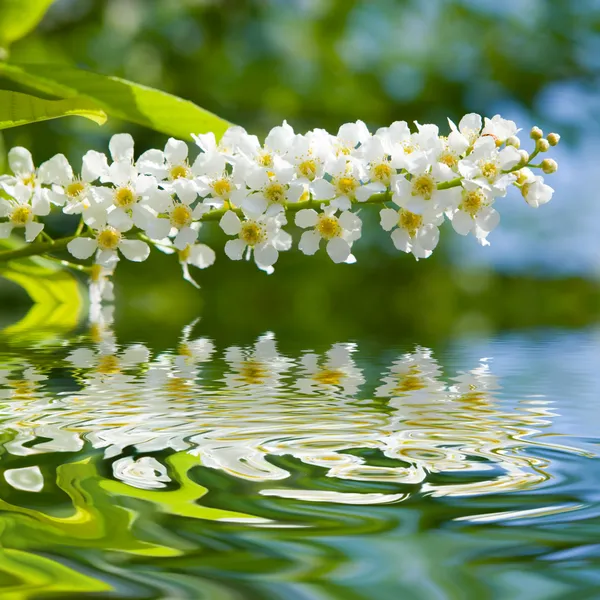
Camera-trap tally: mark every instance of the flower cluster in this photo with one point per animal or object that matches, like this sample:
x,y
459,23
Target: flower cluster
x,y
418,179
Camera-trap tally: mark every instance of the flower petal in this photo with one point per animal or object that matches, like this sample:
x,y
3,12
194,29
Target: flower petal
x,y
134,250
230,223
94,165
121,147
185,237
309,242
307,217
265,255
20,161
176,151
388,218
56,170
338,250
202,256
82,248
32,230
235,249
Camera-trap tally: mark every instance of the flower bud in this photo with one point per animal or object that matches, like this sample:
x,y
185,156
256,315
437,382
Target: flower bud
x,y
513,141
524,156
543,145
549,166
553,139
536,133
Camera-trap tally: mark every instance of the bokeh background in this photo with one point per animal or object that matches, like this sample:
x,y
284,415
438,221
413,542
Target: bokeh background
x,y
320,63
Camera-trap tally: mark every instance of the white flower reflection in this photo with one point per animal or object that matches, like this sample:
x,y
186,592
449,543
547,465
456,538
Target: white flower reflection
x,y
241,409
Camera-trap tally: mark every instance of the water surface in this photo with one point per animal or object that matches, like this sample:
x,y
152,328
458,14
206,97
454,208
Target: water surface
x,y
349,469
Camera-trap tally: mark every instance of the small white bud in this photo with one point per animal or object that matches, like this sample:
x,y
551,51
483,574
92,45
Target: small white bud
x,y
513,141
536,133
543,145
553,139
549,166
524,156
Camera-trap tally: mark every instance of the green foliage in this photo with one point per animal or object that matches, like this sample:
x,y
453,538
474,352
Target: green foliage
x,y
118,98
21,109
19,17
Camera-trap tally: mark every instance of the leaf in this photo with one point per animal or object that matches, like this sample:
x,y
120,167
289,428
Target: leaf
x,y
56,293
19,17
22,109
119,98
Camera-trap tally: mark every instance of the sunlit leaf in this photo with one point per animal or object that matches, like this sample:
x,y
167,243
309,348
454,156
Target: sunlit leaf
x,y
19,17
22,109
119,98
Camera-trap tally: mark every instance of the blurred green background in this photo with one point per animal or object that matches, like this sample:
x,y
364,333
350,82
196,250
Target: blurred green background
x,y
320,63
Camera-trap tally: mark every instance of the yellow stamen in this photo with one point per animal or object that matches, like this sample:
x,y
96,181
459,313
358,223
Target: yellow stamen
x,y
329,227
275,193
75,189
308,168
472,202
21,216
222,187
252,233
490,171
424,186
382,172
328,377
347,185
124,197
178,172
410,222
181,216
108,239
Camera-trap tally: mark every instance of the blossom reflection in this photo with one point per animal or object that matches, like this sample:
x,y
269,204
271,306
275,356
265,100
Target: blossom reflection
x,y
239,408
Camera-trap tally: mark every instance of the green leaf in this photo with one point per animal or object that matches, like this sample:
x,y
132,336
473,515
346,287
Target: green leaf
x,y
22,109
19,17
119,98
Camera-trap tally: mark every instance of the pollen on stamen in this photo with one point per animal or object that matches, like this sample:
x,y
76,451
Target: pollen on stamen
x,y
424,186
181,216
75,189
329,227
108,239
410,222
275,193
347,185
179,172
308,169
21,216
490,171
382,172
222,187
472,202
252,233
124,197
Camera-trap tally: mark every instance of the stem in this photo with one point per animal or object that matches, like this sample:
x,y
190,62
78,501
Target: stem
x,y
35,249
69,265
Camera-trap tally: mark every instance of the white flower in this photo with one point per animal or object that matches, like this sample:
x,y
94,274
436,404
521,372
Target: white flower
x,y
308,155
21,211
500,129
261,236
71,192
420,194
411,232
475,214
132,198
180,222
533,188
214,182
344,184
107,241
271,189
171,168
197,255
487,167
339,232
21,164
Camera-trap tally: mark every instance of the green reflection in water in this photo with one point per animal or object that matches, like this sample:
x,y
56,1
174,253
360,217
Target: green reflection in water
x,y
240,471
